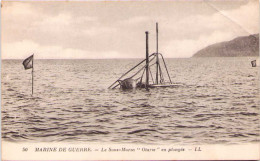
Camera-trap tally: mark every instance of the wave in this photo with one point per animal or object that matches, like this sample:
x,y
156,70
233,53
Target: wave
x,y
141,130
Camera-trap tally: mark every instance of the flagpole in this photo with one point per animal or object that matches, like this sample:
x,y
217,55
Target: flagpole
x,y
32,74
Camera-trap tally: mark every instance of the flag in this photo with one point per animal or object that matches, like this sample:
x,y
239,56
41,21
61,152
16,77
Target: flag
x,y
27,63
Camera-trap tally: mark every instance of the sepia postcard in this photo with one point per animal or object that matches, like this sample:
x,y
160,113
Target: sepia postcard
x,y
130,80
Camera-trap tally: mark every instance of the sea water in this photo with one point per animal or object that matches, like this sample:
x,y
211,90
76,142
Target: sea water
x,y
216,101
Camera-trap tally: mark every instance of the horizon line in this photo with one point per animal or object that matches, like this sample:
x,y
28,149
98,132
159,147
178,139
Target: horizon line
x,y
130,58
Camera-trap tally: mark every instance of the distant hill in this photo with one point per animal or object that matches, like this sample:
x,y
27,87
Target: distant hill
x,y
240,46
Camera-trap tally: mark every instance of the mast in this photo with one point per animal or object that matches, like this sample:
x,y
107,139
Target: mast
x,y
147,62
157,58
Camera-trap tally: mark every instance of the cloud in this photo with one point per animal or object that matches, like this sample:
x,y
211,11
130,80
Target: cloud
x,y
135,20
247,16
61,19
23,49
188,47
94,31
204,30
18,9
56,30
18,50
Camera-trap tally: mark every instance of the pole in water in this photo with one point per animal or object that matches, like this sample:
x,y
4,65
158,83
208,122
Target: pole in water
x,y
32,74
157,57
147,62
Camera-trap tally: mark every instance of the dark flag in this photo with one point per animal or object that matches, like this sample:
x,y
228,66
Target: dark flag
x,y
253,63
28,62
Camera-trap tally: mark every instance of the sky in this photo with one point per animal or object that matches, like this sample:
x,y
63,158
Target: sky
x,y
116,29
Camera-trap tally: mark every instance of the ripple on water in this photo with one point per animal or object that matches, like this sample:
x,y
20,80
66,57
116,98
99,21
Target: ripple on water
x,y
71,102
